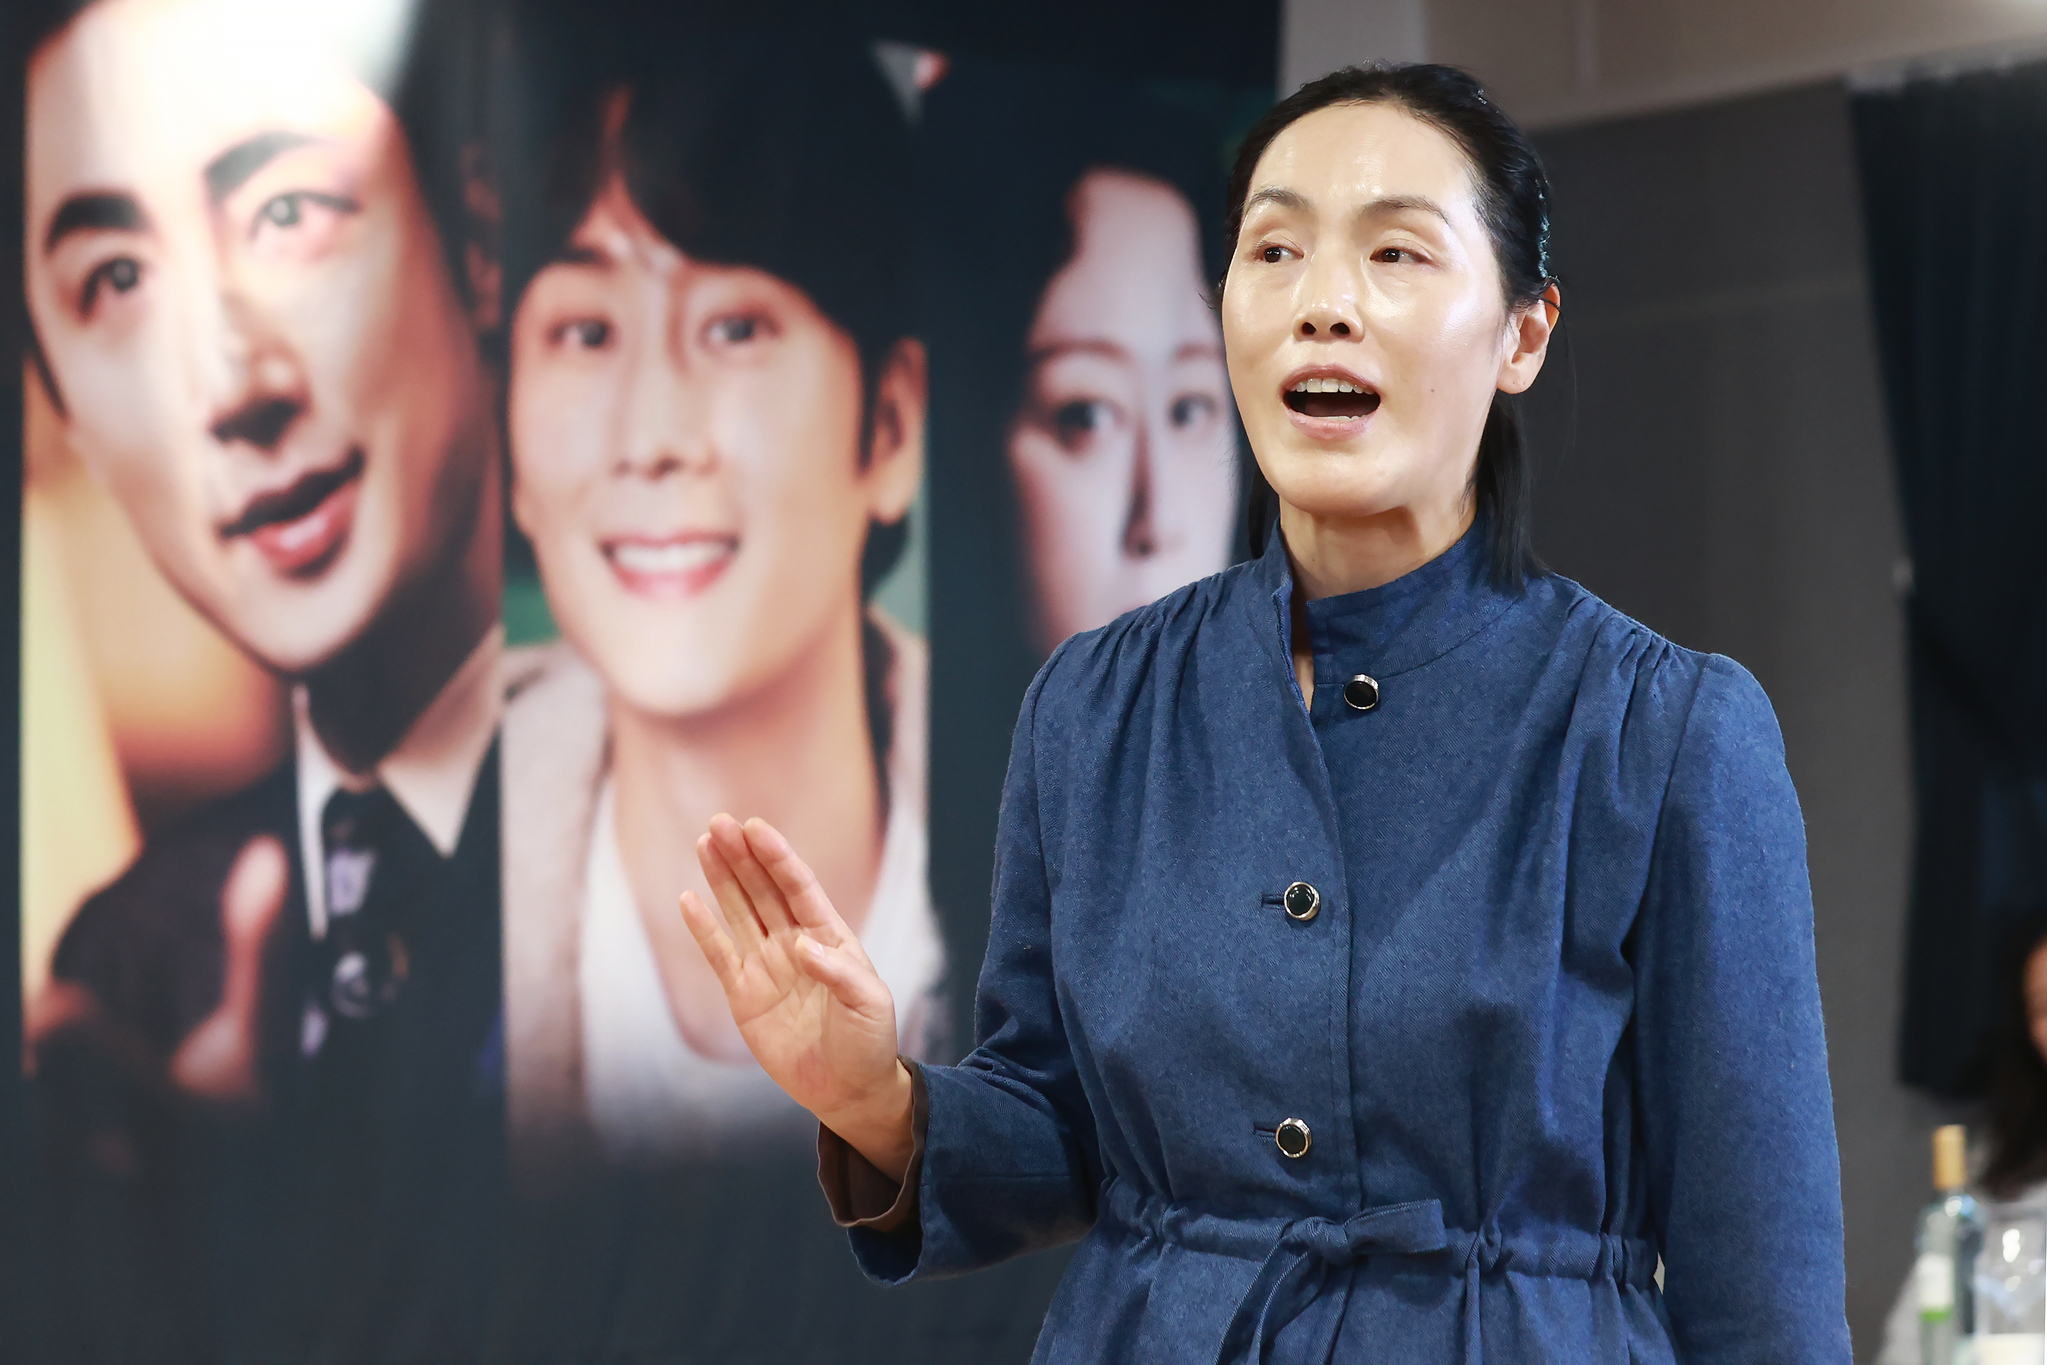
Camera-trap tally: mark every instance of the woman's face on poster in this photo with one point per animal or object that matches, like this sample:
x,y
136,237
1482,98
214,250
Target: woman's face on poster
x,y
1123,455
247,315
686,443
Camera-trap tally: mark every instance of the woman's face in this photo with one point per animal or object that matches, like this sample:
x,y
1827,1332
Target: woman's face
x,y
1364,316
1123,452
687,462
2036,998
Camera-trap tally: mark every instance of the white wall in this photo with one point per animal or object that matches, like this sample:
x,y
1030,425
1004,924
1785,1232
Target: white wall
x,y
1317,36
1556,62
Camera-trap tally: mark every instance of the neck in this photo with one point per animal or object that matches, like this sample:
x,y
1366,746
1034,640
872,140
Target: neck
x,y
795,752
365,699
1335,554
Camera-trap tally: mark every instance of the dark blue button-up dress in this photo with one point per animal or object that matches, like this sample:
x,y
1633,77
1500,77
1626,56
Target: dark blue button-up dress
x,y
1554,1018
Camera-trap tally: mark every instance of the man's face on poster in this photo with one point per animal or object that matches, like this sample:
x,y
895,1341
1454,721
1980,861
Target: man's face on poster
x,y
247,317
686,447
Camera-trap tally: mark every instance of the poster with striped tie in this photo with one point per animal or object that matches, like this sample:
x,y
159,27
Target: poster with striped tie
x,y
468,445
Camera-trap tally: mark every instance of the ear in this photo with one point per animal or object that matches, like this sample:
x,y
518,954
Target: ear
x,y
1530,330
895,447
522,515
483,221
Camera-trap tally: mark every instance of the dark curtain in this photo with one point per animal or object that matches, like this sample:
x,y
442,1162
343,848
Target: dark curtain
x,y
1954,177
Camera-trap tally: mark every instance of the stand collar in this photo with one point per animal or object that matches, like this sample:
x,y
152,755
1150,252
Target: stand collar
x,y
1397,626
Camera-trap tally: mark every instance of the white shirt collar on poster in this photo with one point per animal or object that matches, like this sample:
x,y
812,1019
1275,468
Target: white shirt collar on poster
x,y
431,774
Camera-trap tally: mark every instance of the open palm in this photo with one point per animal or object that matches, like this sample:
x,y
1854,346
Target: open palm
x,y
809,1004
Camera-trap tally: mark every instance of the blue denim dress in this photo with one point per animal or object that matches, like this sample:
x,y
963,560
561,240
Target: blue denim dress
x,y
1411,1025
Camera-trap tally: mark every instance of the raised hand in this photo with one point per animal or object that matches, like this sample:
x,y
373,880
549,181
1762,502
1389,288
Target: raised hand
x,y
217,1060
216,1063
811,1007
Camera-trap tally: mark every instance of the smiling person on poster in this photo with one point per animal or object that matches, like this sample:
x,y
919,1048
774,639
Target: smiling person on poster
x,y
1395,950
266,1044
717,431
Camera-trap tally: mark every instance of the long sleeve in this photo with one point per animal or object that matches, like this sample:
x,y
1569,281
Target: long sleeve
x,y
1736,1116
1009,1161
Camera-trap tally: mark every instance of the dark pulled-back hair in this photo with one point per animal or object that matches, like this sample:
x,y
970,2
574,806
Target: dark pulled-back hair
x,y
1513,200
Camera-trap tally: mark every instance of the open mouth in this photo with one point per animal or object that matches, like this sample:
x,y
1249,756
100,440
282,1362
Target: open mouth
x,y
1324,397
300,527
670,566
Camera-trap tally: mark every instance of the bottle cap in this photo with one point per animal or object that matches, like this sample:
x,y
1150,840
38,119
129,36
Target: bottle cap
x,y
1950,1158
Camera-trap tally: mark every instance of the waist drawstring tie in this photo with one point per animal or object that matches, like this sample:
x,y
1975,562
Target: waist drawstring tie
x,y
1305,1265
1295,1272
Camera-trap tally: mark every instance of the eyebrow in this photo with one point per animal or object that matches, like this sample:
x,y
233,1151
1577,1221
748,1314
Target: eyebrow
x,y
230,170
1192,350
94,211
1281,197
1401,203
579,253
1109,350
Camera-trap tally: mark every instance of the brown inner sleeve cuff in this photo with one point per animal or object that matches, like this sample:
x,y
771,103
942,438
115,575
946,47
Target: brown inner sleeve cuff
x,y
860,1195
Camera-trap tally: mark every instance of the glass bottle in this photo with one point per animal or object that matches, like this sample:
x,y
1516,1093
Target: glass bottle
x,y
2010,1300
1950,1234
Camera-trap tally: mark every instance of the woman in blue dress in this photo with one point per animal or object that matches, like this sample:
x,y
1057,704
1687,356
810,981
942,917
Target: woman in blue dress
x,y
1396,952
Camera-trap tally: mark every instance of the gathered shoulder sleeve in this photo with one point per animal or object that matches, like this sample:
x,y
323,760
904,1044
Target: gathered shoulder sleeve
x,y
1008,1161
1736,1116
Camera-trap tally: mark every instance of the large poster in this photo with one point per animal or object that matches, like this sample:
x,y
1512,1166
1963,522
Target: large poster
x,y
467,446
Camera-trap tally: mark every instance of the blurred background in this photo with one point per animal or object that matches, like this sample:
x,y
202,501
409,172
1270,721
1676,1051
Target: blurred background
x,y
1791,417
